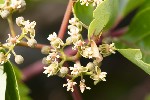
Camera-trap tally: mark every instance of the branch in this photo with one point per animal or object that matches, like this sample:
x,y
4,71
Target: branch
x,y
37,46
65,20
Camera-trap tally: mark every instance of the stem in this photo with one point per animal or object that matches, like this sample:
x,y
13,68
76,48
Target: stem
x,y
13,46
11,26
73,58
65,20
37,46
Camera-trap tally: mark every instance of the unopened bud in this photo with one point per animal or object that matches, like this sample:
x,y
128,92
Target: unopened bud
x,y
5,13
68,40
45,50
90,66
63,71
19,21
32,42
44,61
19,59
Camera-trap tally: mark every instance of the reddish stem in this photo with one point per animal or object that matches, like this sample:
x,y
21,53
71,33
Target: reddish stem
x,y
65,20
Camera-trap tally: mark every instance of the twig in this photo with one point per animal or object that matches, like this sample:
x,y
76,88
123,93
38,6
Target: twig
x,y
65,20
119,32
37,46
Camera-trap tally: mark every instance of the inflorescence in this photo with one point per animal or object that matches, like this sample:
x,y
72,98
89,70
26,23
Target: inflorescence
x,y
55,59
54,62
27,27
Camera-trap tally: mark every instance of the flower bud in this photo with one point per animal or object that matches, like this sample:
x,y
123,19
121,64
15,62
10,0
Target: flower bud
x,y
68,40
19,21
32,42
63,71
44,61
5,13
45,50
19,59
90,66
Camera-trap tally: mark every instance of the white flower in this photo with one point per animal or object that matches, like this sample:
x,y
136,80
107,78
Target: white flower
x,y
11,40
97,2
112,48
85,2
73,30
83,86
29,27
99,76
77,44
53,56
51,69
20,21
87,52
70,85
52,36
78,69
4,58
18,4
55,41
102,76
74,21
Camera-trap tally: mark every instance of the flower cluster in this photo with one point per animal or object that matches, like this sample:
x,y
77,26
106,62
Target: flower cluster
x,y
28,32
54,62
94,2
10,6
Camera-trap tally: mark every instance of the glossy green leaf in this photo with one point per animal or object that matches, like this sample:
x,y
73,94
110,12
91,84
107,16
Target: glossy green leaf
x,y
138,35
127,6
84,13
2,83
101,15
135,56
113,16
12,92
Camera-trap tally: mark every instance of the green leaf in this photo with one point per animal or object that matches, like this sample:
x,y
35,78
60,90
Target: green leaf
x,y
101,15
12,92
127,6
84,13
135,56
1,1
23,89
145,5
2,83
138,35
114,15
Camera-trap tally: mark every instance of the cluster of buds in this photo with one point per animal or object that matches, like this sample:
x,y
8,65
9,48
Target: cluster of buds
x,y
28,32
94,2
56,57
9,6
27,28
